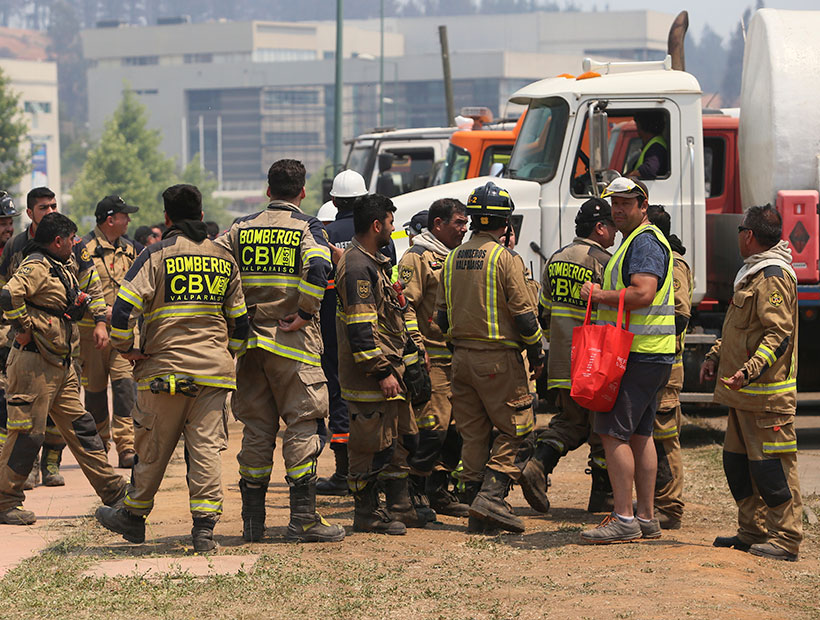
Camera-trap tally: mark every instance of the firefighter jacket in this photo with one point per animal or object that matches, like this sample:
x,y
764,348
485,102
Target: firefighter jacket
x,y
111,261
560,306
189,294
760,338
484,301
284,262
81,266
682,285
420,270
370,326
36,297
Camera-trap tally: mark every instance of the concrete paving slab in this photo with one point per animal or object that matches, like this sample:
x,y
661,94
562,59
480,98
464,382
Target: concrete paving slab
x,y
158,568
58,510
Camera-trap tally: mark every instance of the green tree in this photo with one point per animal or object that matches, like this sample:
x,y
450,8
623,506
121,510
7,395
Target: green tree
x,y
126,161
13,129
313,191
213,208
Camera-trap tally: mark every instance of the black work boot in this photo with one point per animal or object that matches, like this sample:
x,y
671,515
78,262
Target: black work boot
x,y
534,477
441,500
420,500
50,466
253,510
475,525
337,483
490,506
399,504
307,525
33,476
600,495
120,521
369,516
203,534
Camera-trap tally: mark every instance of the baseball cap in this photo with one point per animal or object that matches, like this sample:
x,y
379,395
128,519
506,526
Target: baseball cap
x,y
626,187
594,210
417,224
111,205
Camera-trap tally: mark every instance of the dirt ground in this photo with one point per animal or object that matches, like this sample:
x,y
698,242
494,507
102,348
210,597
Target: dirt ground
x,y
440,571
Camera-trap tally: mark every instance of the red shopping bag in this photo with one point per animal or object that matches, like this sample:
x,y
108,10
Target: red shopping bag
x,y
599,354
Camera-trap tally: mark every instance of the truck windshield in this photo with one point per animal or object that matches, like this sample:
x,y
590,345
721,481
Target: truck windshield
x,y
456,164
538,148
360,158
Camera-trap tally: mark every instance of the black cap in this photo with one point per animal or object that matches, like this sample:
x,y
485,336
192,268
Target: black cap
x,y
111,205
594,210
417,223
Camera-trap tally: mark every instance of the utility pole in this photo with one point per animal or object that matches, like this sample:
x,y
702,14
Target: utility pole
x,y
337,137
381,66
448,79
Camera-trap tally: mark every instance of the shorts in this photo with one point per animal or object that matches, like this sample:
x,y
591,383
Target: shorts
x,y
637,402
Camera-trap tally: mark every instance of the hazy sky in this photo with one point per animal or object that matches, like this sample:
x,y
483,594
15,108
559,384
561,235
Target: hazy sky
x,y
721,15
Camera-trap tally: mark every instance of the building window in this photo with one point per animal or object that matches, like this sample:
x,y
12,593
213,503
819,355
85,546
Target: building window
x,y
202,100
291,138
264,54
145,91
274,98
37,107
190,59
138,61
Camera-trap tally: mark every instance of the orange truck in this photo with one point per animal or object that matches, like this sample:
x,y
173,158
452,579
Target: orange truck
x,y
474,152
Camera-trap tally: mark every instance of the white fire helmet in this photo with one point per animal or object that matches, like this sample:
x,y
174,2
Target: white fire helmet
x,y
327,213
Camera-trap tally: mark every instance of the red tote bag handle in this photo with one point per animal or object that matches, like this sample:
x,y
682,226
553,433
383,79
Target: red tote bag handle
x,y
621,312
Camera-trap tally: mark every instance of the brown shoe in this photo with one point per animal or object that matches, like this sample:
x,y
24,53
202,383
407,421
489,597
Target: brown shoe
x,y
773,552
127,459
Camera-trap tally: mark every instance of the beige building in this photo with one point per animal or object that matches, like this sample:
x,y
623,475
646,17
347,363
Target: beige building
x,y
34,78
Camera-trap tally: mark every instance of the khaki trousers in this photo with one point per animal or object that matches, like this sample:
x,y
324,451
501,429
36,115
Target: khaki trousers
x,y
570,428
486,385
272,389
37,390
159,421
669,485
98,367
760,462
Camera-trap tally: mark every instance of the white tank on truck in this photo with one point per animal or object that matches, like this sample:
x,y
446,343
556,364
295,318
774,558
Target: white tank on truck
x,y
779,134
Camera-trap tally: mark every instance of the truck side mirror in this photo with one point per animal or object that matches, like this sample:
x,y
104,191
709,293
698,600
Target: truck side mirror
x,y
599,141
327,185
386,161
496,169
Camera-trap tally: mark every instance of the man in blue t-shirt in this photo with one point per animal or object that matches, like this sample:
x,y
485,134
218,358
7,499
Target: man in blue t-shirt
x,y
626,430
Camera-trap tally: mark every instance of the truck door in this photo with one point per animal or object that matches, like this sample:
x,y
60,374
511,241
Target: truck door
x,y
627,150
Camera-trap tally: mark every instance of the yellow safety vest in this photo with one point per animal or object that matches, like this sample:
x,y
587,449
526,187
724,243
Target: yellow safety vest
x,y
653,326
655,140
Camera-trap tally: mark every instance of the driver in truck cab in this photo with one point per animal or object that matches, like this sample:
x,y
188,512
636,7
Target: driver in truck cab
x,y
653,161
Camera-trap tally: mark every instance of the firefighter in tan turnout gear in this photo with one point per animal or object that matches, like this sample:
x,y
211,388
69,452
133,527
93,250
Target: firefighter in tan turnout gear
x,y
489,316
7,214
666,433
188,292
284,261
372,338
755,364
41,201
420,269
43,300
113,256
561,309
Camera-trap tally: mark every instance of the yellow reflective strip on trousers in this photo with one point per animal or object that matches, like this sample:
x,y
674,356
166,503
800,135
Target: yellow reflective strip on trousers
x,y
564,384
665,434
779,447
128,501
294,473
292,353
205,506
523,429
256,472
